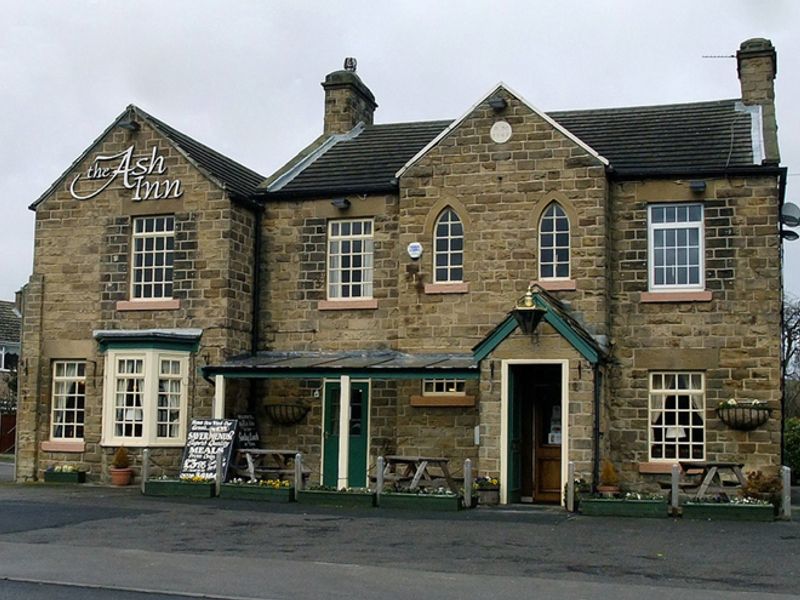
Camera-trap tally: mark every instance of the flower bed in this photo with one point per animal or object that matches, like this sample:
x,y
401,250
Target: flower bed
x,y
487,490
737,509
620,507
176,487
422,502
344,498
271,490
53,476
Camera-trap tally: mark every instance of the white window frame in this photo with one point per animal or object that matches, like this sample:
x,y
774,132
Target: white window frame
x,y
77,379
652,228
449,252
151,359
4,351
658,395
444,387
335,259
555,247
166,255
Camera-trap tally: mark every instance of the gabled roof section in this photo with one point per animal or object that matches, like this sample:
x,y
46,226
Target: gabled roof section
x,y
559,317
671,138
359,162
483,99
10,323
237,179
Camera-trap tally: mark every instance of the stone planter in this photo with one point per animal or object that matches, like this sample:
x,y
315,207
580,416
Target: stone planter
x,y
342,499
744,418
601,507
723,511
489,496
65,477
174,487
421,502
256,492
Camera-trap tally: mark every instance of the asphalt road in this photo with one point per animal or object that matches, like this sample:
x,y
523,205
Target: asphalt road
x,y
93,542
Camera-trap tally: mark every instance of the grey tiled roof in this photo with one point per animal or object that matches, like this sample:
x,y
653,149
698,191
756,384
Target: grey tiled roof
x,y
366,162
652,139
668,138
238,179
10,322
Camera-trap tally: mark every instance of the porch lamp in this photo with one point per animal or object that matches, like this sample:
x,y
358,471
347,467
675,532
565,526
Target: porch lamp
x,y
527,313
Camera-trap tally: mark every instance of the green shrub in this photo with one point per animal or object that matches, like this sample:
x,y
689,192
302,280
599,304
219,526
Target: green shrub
x,y
792,446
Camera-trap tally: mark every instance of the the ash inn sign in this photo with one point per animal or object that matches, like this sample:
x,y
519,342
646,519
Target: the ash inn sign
x,y
137,174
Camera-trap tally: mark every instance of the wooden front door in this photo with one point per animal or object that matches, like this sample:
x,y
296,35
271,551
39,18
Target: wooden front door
x,y
358,428
547,445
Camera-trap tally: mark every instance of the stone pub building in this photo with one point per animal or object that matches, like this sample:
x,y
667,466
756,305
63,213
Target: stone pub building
x,y
366,299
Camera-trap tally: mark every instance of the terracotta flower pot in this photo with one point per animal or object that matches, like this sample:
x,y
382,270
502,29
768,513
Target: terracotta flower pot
x,y
121,476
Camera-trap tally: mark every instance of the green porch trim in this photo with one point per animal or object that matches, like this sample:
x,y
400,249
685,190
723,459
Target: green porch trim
x,y
387,374
569,334
495,338
145,345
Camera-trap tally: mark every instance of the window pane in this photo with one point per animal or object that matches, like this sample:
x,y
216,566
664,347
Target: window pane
x,y
153,245
68,399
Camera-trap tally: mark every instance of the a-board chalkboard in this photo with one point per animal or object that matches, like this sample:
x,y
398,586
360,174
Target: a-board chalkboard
x,y
205,438
248,431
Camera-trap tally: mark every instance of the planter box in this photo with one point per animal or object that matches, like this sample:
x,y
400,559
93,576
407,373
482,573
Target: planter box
x,y
256,492
488,497
421,502
719,511
173,487
344,499
597,507
62,477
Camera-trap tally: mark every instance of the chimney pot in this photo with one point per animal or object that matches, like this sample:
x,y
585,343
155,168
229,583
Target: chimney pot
x,y
347,100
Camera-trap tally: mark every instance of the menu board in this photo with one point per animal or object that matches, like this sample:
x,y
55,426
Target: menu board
x,y
248,431
206,437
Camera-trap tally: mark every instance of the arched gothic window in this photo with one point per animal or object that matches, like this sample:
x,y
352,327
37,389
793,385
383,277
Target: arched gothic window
x,y
554,243
448,244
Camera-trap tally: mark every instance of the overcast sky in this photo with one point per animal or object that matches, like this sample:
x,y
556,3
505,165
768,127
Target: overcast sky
x,y
243,77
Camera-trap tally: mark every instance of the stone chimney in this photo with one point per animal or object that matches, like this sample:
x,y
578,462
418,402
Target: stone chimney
x,y
347,100
757,64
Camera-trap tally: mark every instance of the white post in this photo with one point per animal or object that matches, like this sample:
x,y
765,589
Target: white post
x,y
344,431
218,410
571,486
379,480
298,474
786,503
218,478
674,497
145,467
468,483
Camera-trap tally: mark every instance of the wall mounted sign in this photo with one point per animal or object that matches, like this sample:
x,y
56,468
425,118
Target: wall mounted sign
x,y
415,250
500,132
139,175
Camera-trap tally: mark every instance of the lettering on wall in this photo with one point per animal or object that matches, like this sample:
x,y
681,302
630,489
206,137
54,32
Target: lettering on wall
x,y
140,175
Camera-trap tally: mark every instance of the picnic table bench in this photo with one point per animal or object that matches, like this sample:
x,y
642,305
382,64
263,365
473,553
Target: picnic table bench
x,y
700,478
418,471
266,463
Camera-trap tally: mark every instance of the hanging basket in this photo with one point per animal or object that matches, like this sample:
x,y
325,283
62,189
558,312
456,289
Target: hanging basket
x,y
286,414
744,418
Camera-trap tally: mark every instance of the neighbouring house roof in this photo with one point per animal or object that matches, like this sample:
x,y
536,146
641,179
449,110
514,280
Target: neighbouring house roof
x,y
663,139
237,179
10,324
374,364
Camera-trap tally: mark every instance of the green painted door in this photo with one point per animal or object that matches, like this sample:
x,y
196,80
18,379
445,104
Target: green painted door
x,y
359,426
514,475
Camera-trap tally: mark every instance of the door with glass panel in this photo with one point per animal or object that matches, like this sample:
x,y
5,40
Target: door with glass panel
x,y
357,428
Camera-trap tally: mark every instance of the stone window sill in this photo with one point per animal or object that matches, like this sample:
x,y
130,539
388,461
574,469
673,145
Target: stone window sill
x,y
557,285
369,304
446,288
64,446
454,400
127,305
704,296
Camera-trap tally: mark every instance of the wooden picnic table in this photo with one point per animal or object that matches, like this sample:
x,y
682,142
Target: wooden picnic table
x,y
416,471
271,463
714,477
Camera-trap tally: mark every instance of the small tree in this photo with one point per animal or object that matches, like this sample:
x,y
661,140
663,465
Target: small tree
x,y
791,356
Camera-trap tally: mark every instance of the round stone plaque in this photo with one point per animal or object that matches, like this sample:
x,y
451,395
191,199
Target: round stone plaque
x,y
500,132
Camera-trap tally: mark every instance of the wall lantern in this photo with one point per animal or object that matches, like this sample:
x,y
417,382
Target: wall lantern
x,y
527,313
129,124
341,203
497,103
697,187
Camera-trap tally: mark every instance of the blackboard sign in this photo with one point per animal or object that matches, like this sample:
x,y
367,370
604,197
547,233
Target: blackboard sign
x,y
248,431
206,437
